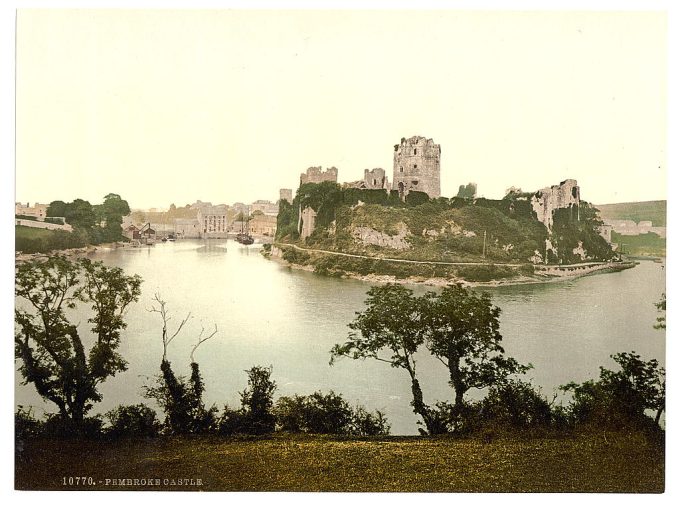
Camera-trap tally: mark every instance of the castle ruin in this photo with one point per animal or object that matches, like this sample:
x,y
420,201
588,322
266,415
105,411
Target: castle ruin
x,y
286,194
376,179
417,167
563,196
316,175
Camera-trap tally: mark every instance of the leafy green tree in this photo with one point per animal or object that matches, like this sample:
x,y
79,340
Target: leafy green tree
x,y
111,212
390,330
53,353
258,401
80,213
620,396
461,330
57,209
327,414
661,307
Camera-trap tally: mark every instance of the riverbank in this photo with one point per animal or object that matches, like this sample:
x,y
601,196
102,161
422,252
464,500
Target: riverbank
x,y
621,462
541,274
78,252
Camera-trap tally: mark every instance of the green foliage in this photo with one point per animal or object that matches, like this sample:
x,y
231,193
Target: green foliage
x,y
458,326
572,226
327,414
296,256
257,401
645,244
654,211
661,307
88,219
182,401
486,273
287,219
132,421
462,330
256,416
37,240
29,218
415,198
53,356
26,426
517,404
620,398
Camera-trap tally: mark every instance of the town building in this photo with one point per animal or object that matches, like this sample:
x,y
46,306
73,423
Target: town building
x,y
38,211
212,222
265,206
187,228
263,225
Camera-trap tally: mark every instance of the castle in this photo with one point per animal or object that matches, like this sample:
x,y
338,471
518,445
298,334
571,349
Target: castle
x,y
417,167
566,195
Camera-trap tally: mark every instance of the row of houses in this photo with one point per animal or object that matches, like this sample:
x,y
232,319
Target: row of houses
x,y
210,222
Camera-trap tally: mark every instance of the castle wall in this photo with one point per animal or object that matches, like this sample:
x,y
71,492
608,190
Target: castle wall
x,y
308,220
417,166
316,175
286,194
545,201
376,179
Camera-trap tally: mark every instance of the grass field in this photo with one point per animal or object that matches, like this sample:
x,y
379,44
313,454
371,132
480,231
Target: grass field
x,y
601,462
654,211
26,232
648,244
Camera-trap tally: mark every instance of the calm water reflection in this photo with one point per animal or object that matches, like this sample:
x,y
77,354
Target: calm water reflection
x,y
268,314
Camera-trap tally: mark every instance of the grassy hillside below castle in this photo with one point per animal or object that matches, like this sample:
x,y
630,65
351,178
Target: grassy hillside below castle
x,y
499,238
654,211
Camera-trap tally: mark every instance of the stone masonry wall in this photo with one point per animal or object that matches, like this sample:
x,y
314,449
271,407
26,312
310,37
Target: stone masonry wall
x,y
545,201
417,166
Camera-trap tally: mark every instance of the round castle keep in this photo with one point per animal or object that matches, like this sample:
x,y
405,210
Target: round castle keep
x,y
416,166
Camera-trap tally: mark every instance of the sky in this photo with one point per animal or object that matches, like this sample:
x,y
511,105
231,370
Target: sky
x,y
165,106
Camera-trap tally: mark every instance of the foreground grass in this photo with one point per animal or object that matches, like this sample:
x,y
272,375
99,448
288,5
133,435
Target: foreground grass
x,y
602,462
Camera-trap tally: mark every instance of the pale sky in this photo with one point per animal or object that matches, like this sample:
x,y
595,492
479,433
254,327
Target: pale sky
x,y
173,106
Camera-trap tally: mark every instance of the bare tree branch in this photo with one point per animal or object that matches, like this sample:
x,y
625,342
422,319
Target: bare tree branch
x,y
201,340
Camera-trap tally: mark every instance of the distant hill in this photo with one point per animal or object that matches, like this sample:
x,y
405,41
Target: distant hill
x,y
654,211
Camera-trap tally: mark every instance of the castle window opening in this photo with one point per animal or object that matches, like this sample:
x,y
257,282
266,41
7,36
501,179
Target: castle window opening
x,y
415,165
415,151
401,169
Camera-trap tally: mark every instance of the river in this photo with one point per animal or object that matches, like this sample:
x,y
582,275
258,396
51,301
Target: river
x,y
269,314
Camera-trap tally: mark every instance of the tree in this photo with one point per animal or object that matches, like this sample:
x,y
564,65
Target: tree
x,y
57,209
52,351
461,330
258,401
638,386
622,395
181,399
111,212
390,330
661,307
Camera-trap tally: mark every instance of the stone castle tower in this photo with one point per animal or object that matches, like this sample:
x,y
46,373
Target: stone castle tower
x,y
416,167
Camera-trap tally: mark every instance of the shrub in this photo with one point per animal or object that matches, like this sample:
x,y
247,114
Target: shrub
x,y
255,417
26,426
327,414
516,404
133,421
57,426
